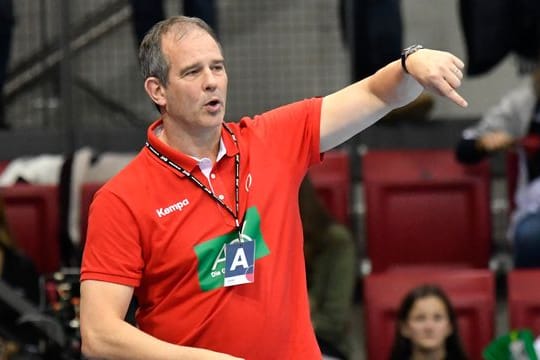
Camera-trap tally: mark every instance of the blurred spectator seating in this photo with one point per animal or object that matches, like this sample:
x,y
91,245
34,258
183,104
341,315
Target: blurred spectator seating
x,y
32,215
88,191
471,291
524,299
423,208
332,181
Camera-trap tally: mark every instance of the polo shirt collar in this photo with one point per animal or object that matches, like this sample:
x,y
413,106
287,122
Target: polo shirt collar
x,y
230,146
227,147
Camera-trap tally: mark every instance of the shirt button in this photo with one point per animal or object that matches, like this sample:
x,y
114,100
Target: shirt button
x,y
213,176
221,197
205,162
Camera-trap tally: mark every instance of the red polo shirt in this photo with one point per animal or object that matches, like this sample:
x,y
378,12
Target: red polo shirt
x,y
153,228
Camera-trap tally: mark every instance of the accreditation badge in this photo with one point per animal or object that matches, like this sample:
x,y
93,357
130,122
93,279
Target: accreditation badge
x,y
239,263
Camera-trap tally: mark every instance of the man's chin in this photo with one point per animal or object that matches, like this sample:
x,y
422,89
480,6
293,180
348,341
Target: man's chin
x,y
213,119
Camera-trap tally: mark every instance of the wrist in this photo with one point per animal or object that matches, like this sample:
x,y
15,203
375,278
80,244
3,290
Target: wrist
x,y
405,53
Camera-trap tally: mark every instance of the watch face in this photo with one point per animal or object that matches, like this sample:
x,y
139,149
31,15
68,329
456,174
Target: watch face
x,y
411,49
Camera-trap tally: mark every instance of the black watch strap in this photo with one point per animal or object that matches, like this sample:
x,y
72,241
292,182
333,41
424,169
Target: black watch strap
x,y
405,53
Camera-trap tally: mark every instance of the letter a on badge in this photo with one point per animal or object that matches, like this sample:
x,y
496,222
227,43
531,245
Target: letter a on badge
x,y
239,259
239,263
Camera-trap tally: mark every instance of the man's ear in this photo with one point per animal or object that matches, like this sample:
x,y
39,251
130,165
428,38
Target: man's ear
x,y
155,90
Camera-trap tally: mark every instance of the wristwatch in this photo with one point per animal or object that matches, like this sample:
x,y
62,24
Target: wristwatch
x,y
405,54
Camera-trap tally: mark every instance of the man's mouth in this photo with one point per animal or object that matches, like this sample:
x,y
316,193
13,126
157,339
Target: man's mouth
x,y
213,105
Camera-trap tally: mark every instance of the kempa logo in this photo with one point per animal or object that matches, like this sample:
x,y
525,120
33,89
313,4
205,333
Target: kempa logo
x,y
211,253
161,212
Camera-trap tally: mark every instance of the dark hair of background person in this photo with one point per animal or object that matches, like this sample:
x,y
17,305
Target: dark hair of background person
x,y
16,269
5,238
330,302
402,348
315,219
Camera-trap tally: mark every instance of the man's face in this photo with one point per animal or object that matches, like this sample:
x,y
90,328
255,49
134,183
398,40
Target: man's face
x,y
196,94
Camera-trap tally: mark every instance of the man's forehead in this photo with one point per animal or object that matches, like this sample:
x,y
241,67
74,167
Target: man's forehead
x,y
178,31
173,40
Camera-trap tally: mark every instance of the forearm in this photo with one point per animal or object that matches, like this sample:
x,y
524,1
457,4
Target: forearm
x,y
393,86
357,106
117,339
352,109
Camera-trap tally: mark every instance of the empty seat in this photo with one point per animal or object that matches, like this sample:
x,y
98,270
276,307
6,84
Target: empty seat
x,y
33,218
88,190
424,208
524,299
471,291
332,181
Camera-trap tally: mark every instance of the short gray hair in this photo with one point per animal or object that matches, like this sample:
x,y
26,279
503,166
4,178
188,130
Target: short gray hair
x,y
151,58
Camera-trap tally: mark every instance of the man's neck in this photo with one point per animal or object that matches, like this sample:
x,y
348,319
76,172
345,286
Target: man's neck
x,y
203,144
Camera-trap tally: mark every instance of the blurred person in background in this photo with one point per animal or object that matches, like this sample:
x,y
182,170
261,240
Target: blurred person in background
x,y
426,327
514,123
16,269
372,31
19,274
203,226
146,13
330,257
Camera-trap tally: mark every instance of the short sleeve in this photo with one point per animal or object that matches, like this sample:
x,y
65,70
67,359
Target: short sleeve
x,y
113,250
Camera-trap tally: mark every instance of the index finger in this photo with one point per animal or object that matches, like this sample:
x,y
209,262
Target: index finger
x,y
445,89
456,98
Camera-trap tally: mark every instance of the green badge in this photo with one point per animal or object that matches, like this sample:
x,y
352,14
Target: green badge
x,y
516,345
211,253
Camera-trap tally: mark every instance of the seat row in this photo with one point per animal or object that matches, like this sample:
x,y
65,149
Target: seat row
x,y
422,207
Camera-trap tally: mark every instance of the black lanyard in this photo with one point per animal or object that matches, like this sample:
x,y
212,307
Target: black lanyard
x,y
177,167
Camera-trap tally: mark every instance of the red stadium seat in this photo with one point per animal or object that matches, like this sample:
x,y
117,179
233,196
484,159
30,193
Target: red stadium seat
x,y
471,291
33,217
3,165
88,191
424,208
524,299
332,181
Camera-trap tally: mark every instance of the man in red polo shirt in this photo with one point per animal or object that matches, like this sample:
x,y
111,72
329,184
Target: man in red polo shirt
x,y
203,226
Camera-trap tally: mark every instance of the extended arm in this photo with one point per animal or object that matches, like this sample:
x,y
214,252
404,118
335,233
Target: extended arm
x,y
105,334
356,107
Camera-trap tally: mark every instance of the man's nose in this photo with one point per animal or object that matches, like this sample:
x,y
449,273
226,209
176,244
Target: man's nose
x,y
210,80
